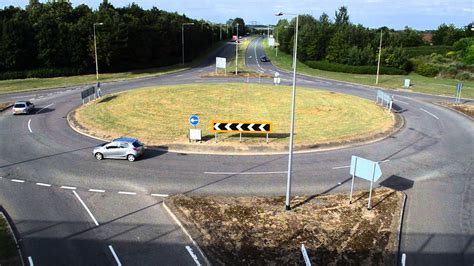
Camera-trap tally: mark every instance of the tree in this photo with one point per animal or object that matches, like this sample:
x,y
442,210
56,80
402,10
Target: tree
x,y
447,34
342,17
409,37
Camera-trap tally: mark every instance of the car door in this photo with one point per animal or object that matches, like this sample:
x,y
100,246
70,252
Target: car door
x,y
123,150
111,150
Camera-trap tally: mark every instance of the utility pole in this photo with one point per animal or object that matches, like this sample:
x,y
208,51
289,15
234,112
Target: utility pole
x,y
95,51
378,64
237,50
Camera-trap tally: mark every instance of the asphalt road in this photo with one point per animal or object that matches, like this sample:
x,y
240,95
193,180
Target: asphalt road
x,y
57,193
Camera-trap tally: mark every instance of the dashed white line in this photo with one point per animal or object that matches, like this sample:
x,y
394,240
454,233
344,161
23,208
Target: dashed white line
x,y
29,126
97,190
245,173
160,195
67,187
341,167
18,180
43,184
195,258
85,207
398,101
127,193
115,256
429,113
30,261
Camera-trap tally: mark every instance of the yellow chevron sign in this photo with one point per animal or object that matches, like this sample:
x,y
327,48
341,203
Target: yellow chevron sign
x,y
241,126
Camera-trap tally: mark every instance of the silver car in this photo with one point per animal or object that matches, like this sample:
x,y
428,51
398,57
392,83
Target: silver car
x,y
121,148
23,107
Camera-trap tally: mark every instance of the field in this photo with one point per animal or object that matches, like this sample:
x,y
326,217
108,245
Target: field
x,y
258,230
436,86
159,115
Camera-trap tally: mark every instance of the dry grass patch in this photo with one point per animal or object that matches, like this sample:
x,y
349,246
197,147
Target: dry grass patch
x,y
258,231
159,115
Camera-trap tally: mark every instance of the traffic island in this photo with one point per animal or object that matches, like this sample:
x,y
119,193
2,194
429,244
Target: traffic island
x,y
8,249
258,230
160,117
465,109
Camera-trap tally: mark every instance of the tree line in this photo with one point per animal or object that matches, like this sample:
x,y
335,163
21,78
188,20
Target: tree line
x,y
58,38
340,41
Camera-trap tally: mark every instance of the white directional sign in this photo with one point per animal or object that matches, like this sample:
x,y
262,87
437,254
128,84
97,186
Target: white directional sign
x,y
271,41
365,169
221,62
242,127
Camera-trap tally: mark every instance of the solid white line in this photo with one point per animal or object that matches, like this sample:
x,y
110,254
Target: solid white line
x,y
429,113
66,187
30,261
195,258
43,184
29,126
85,207
18,180
341,167
44,108
245,173
127,193
384,161
115,255
97,190
160,195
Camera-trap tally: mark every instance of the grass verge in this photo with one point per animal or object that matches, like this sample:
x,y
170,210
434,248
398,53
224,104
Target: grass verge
x,y
258,231
8,252
21,85
436,86
159,115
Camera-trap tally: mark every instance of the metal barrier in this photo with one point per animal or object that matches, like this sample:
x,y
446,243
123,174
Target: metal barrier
x,y
386,99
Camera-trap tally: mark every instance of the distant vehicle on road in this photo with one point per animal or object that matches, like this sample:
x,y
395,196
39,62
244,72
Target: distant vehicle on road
x,y
264,59
121,148
23,107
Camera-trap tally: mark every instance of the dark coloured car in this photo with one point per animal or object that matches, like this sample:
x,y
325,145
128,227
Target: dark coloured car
x,y
264,59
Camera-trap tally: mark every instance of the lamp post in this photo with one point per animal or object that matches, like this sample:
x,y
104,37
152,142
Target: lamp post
x,y
378,63
182,39
95,51
237,50
292,127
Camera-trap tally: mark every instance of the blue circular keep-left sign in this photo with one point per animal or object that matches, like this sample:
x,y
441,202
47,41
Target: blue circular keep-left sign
x,y
194,120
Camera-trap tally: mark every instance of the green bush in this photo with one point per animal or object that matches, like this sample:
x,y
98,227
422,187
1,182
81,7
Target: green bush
x,y
40,73
427,50
463,76
335,67
427,69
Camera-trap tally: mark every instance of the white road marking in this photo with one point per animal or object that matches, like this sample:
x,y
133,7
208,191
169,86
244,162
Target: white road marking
x,y
195,258
179,75
29,126
30,261
67,187
115,256
43,184
85,207
398,101
97,190
18,180
160,195
429,113
245,173
127,193
44,108
384,161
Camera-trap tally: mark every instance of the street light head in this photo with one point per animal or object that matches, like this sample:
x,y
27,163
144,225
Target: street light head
x,y
279,14
100,23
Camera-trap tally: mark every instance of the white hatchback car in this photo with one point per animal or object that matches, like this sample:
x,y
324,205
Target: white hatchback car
x,y
23,107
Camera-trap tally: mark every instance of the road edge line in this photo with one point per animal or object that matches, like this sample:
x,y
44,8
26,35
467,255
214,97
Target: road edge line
x,y
186,232
400,227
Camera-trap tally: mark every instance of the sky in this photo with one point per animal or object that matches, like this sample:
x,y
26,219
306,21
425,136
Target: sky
x,y
417,14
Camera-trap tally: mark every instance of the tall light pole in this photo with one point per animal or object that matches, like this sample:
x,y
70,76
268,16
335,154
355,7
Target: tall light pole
x,y
292,126
378,64
95,51
237,50
182,39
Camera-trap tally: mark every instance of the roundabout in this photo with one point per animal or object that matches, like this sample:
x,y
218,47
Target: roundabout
x,y
158,116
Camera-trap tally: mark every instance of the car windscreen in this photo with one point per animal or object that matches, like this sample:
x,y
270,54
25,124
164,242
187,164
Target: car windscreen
x,y
137,144
19,105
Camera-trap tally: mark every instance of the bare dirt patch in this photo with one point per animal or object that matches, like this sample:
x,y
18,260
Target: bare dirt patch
x,y
4,106
463,108
258,231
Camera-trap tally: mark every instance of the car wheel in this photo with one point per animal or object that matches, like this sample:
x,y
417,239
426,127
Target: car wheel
x,y
131,157
99,156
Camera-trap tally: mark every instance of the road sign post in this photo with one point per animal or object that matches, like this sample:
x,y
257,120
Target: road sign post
x,y
367,170
304,253
459,88
221,63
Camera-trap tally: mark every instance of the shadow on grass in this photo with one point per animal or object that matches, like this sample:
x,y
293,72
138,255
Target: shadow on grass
x,y
108,99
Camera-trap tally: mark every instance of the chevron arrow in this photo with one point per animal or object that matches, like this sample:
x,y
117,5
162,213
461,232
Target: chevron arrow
x,y
262,127
228,126
216,126
250,127
239,127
